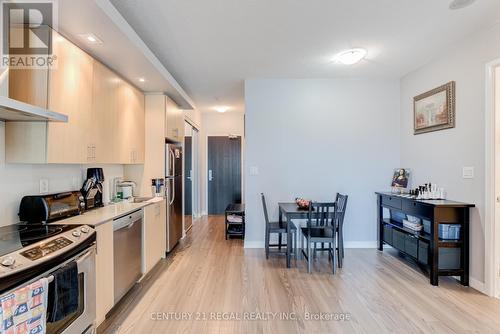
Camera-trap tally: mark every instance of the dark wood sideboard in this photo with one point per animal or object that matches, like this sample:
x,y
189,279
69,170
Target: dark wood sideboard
x,y
439,257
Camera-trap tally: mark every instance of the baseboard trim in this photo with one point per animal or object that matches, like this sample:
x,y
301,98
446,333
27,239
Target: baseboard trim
x,y
477,285
348,244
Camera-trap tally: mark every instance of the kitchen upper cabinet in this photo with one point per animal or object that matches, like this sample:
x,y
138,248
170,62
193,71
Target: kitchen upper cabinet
x,y
154,236
29,86
70,93
131,125
106,121
174,127
104,134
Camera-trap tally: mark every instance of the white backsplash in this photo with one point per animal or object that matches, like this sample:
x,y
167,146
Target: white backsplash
x,y
17,180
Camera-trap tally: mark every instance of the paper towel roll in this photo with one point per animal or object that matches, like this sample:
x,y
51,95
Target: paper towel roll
x,y
106,192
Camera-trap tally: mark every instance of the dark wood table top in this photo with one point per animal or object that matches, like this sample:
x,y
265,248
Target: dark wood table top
x,y
433,202
291,210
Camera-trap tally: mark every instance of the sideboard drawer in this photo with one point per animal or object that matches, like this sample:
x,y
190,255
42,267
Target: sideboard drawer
x,y
418,209
391,201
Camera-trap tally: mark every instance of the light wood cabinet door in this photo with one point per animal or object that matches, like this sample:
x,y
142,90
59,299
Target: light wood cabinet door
x,y
154,235
104,132
29,86
104,271
70,93
130,124
174,126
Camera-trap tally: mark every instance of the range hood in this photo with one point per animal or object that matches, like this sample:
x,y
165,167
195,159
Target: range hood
x,y
13,110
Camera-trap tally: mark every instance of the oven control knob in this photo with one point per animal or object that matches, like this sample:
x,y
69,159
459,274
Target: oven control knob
x,y
76,233
85,229
8,262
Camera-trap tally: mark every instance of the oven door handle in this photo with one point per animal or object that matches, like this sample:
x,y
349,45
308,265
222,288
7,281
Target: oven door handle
x,y
82,258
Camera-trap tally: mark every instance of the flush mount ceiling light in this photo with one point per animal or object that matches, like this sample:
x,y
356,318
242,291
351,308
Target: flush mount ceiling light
x,y
142,80
350,57
91,38
459,4
221,109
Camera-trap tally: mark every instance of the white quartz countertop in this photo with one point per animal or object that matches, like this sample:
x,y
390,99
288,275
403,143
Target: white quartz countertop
x,y
107,213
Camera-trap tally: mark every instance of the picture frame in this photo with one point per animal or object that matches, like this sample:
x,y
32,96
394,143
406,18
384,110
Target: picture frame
x,y
400,179
435,109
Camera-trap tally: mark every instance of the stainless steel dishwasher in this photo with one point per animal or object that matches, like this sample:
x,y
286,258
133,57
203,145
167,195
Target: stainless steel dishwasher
x,y
127,247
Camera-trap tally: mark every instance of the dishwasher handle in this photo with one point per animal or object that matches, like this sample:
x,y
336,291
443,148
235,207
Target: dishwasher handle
x,y
127,221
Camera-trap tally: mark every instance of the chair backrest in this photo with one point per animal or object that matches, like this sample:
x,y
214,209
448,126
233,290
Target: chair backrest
x,y
321,215
341,201
264,207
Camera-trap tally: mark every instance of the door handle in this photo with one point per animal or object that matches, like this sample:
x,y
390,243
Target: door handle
x,y
210,175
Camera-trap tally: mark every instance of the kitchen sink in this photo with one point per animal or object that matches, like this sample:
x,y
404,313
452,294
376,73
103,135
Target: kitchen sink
x,y
142,199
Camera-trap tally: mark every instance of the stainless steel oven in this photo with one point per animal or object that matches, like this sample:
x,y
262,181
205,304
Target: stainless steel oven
x,y
81,321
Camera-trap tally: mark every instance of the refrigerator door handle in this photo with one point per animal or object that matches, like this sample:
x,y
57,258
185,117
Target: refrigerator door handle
x,y
172,199
173,162
210,176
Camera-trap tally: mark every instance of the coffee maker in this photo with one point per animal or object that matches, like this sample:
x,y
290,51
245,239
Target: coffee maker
x,y
92,188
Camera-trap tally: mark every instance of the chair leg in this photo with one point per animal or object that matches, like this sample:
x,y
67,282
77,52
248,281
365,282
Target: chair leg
x,y
333,248
297,244
309,259
279,241
267,244
340,248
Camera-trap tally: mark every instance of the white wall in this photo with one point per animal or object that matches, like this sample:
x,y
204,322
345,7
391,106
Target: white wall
x,y
312,138
216,124
17,180
438,157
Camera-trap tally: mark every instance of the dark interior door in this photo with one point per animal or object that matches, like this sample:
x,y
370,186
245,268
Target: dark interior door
x,y
224,173
188,206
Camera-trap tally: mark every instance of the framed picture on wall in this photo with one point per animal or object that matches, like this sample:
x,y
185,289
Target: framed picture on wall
x,y
435,109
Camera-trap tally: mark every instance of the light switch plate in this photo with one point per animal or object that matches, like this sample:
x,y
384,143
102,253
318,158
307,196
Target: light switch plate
x,y
44,186
468,172
254,170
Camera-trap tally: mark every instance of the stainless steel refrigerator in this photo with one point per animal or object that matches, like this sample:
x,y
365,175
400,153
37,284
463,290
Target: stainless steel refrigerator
x,y
174,192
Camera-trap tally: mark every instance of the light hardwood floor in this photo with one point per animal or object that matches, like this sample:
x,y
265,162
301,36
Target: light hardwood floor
x,y
207,276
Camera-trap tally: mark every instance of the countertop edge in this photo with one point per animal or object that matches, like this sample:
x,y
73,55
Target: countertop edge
x,y
104,215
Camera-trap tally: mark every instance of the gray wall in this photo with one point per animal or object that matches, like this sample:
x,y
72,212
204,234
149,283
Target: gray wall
x,y
313,138
439,156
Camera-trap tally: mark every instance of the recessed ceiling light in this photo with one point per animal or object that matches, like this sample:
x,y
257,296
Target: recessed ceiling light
x,y
351,56
221,109
459,4
142,80
91,38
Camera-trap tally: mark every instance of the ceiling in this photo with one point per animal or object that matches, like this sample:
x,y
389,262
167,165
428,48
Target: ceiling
x,y
212,46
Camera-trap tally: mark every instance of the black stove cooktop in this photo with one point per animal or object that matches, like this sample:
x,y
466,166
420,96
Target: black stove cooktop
x,y
18,236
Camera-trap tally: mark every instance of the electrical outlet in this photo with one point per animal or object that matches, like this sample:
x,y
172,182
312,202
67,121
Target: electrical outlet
x,y
467,172
254,170
44,186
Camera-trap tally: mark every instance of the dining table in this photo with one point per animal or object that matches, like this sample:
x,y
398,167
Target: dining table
x,y
289,211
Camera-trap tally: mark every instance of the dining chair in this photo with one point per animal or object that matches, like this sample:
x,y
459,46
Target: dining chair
x,y
341,204
321,228
277,228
